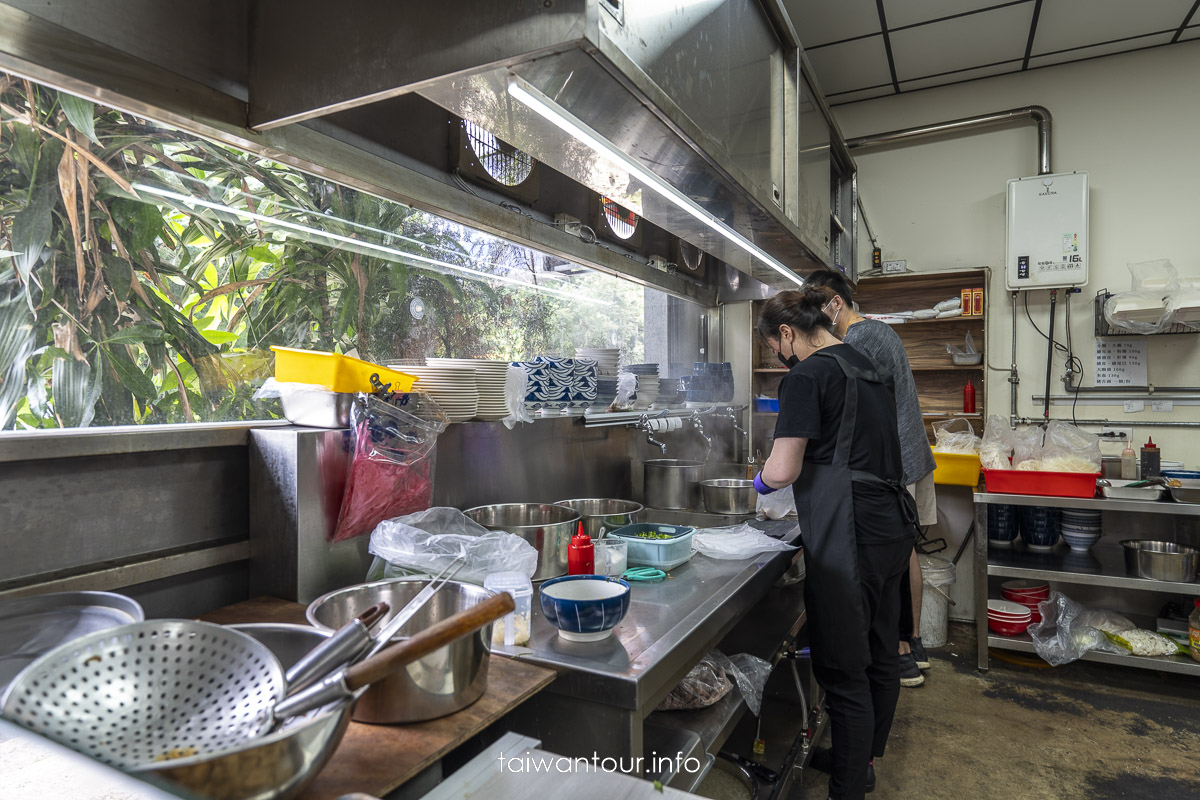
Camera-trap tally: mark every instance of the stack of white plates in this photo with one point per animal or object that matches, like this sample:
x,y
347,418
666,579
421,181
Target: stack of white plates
x,y
647,383
606,358
453,388
490,377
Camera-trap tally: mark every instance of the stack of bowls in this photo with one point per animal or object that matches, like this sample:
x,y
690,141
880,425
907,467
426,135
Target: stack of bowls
x,y
1002,525
647,383
1080,529
606,359
1007,618
1028,594
490,377
1039,527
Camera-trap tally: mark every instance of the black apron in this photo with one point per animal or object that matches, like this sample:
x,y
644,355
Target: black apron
x,y
837,617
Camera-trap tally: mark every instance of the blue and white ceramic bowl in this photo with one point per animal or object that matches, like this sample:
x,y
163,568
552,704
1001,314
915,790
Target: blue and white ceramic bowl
x,y
585,608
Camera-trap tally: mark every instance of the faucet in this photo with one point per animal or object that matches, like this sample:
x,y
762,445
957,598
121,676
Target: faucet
x,y
699,425
644,424
731,415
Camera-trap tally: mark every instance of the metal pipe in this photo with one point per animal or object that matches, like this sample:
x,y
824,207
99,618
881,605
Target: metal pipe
x,y
1038,114
1151,389
1049,352
1123,423
1014,378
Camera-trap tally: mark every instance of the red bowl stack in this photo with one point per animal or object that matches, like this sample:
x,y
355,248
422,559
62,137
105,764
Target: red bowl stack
x,y
1007,618
1028,594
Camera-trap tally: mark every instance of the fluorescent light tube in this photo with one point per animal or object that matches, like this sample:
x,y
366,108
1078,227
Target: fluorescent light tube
x,y
535,101
383,250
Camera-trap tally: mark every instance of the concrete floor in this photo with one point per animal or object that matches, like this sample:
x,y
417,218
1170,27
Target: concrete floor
x,y
1022,731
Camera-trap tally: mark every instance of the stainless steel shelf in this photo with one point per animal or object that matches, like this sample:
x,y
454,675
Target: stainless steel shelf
x,y
1180,664
1092,503
1103,565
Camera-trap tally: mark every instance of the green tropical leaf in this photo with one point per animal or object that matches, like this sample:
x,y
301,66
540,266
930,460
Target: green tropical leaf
x,y
138,333
69,390
80,113
32,227
263,253
132,378
219,337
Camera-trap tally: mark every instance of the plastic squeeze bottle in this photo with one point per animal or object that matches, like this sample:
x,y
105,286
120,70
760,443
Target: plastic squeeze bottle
x,y
1151,460
969,398
581,554
1128,463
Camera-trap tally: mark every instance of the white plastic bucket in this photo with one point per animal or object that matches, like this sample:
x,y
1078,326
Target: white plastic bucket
x,y
936,575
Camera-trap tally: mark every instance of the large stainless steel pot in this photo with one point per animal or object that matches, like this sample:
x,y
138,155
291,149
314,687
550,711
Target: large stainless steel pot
x,y
446,680
602,515
671,483
1161,561
547,527
276,766
729,496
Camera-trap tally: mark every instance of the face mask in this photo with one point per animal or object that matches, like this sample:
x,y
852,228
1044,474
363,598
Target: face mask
x,y
825,310
787,361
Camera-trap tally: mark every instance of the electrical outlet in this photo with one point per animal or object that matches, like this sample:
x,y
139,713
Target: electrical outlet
x,y
1113,433
895,266
568,223
659,263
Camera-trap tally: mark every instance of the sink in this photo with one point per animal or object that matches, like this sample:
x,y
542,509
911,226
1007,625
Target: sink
x,y
696,519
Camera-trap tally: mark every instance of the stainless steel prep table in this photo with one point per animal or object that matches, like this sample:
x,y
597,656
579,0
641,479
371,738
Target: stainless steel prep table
x,y
605,690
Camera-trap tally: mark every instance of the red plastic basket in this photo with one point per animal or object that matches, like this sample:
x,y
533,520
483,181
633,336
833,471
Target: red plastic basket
x,y
1045,484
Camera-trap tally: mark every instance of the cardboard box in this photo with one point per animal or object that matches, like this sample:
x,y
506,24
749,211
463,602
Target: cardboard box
x,y
977,302
966,302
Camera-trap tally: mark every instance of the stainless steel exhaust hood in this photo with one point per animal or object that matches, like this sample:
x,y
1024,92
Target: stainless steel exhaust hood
x,y
685,111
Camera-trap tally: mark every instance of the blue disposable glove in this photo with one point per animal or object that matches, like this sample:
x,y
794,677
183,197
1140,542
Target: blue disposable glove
x,y
761,485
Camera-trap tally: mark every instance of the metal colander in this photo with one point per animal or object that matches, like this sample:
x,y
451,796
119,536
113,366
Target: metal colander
x,y
150,692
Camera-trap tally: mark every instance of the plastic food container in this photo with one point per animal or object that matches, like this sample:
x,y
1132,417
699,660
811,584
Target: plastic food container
x,y
766,404
611,556
513,628
335,371
1042,484
956,469
664,553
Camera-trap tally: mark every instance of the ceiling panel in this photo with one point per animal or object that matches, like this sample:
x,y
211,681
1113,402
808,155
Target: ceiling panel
x,y
965,75
861,94
820,23
1192,32
962,43
909,12
1101,50
1074,23
851,65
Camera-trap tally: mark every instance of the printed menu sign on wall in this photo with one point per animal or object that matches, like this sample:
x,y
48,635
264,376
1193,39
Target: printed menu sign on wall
x,y
1121,362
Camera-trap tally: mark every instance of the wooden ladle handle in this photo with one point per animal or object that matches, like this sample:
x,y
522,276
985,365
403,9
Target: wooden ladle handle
x,y
432,638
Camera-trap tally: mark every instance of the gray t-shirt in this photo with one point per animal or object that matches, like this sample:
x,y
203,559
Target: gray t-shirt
x,y
877,341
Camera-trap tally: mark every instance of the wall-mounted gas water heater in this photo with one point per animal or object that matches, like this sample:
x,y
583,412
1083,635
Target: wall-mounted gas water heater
x,y
1046,228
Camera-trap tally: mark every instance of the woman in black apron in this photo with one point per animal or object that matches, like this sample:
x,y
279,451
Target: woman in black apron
x,y
836,446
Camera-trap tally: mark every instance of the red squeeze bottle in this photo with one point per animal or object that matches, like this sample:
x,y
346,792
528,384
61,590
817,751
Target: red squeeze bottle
x,y
581,554
969,398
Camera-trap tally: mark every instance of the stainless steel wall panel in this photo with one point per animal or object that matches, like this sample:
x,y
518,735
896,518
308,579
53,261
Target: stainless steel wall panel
x,y
65,515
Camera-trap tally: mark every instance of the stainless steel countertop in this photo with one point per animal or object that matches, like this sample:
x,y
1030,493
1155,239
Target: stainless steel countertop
x,y
670,625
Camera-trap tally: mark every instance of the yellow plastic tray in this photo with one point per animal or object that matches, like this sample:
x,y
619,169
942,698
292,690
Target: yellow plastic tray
x,y
956,469
335,371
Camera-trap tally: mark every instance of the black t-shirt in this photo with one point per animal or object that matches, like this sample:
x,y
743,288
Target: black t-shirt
x,y
811,398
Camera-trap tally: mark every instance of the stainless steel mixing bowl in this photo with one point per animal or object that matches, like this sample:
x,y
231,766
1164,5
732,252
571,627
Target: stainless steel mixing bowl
x,y
602,515
1161,561
446,680
547,527
729,496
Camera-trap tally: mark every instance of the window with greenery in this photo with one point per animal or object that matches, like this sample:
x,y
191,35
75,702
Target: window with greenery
x,y
145,273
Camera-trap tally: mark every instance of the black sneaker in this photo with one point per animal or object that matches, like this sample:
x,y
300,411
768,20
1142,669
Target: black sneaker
x,y
822,760
918,651
910,673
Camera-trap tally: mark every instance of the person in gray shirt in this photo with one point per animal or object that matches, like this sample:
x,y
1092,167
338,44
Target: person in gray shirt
x,y
881,344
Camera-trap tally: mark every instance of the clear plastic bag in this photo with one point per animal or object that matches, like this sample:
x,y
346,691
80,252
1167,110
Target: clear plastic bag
x,y
1069,449
1146,308
516,387
955,436
776,505
1184,304
626,392
1027,448
1062,637
426,542
997,447
736,542
391,473
705,684
714,676
1104,620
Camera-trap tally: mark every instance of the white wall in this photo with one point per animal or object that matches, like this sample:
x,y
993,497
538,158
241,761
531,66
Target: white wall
x,y
1133,123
